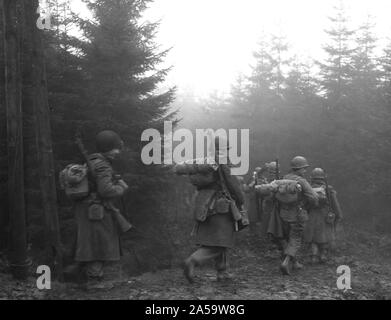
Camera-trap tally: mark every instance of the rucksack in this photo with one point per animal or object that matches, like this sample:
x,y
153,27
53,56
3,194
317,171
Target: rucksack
x,y
287,191
321,192
200,171
74,181
201,180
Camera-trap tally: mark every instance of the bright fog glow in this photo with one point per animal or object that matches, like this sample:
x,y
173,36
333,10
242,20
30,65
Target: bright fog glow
x,y
212,40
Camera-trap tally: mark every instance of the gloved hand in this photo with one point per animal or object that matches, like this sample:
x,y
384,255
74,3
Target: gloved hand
x,y
123,184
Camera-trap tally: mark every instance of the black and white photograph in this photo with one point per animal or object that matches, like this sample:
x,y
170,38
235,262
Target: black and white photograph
x,y
195,155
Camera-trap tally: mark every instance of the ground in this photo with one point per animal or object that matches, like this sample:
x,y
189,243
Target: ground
x,y
256,276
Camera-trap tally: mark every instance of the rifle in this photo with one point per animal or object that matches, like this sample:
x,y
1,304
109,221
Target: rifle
x,y
277,169
123,224
329,203
277,176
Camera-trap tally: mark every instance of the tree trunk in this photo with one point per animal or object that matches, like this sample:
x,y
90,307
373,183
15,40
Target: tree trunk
x,y
44,143
13,101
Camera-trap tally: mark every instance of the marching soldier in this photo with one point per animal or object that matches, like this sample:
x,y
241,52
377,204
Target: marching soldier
x,y
97,234
252,198
215,225
294,215
320,229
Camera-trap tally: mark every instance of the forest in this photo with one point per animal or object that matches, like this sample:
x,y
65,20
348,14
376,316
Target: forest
x,y
336,112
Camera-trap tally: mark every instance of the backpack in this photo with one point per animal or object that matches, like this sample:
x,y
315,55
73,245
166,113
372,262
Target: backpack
x,y
201,180
74,181
287,191
321,192
201,173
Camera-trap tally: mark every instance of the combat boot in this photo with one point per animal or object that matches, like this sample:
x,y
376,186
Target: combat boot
x,y
188,270
285,266
323,257
314,259
297,265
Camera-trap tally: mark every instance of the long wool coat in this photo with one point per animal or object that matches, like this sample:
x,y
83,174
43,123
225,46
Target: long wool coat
x,y
98,240
216,229
317,230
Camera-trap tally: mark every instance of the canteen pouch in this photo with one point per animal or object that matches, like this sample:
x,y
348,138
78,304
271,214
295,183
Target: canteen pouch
x,y
302,215
222,205
330,217
96,212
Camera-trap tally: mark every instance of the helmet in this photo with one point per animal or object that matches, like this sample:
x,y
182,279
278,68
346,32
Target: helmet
x,y
299,163
318,173
271,166
223,141
108,140
258,170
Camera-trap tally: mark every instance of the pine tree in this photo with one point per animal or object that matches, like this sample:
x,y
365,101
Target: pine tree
x,y
279,61
336,72
262,73
300,83
365,71
386,73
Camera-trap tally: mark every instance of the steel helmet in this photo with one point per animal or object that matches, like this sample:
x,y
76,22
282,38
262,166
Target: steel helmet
x,y
318,173
299,163
223,141
108,140
271,166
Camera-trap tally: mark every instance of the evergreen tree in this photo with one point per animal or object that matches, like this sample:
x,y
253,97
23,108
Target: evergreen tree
x,y
300,83
365,70
386,73
279,61
336,72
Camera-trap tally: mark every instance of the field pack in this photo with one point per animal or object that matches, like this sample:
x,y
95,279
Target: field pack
x,y
285,191
74,181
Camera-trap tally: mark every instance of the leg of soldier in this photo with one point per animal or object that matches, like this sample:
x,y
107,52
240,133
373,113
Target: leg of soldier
x,y
323,252
294,238
199,257
94,270
285,266
294,242
221,266
314,252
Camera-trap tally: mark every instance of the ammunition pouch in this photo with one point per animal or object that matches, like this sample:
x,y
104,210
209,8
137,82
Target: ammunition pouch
x,y
222,204
302,215
330,217
96,211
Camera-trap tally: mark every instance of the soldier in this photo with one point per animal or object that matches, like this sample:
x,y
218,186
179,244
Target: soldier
x,y
252,198
319,231
97,234
295,215
272,224
215,227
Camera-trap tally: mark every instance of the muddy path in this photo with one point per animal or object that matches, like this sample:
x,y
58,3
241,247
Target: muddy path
x,y
254,266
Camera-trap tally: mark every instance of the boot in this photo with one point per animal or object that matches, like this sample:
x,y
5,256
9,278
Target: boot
x,y
188,270
323,257
314,259
285,266
297,265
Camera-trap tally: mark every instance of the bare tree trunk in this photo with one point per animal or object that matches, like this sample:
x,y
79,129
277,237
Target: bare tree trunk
x,y
3,144
44,142
13,101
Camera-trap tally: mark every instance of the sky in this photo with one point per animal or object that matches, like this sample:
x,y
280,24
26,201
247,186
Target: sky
x,y
213,41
